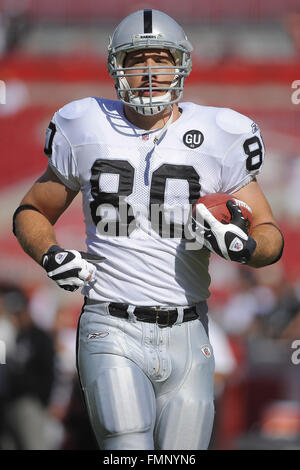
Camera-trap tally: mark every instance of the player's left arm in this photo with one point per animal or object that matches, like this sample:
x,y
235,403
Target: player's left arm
x,y
265,231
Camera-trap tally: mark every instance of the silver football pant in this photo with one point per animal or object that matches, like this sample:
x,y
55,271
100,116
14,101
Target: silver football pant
x,y
146,387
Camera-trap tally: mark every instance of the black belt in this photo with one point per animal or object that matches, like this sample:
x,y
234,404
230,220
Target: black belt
x,y
153,314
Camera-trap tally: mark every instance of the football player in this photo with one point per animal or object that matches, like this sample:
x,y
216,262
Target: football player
x,y
145,361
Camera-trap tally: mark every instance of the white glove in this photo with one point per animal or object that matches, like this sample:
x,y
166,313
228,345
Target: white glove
x,y
70,269
231,241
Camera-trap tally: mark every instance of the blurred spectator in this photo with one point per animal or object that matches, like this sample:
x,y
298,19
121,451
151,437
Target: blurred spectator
x,y
225,362
225,365
64,333
29,371
279,429
284,312
263,305
44,303
2,35
8,337
78,432
292,329
7,329
17,29
14,26
263,311
250,301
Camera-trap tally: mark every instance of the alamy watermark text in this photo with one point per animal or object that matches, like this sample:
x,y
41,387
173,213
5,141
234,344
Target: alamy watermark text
x,y
2,92
296,94
296,354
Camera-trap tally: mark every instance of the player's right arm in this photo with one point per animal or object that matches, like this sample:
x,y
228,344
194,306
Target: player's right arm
x,y
49,197
45,202
34,228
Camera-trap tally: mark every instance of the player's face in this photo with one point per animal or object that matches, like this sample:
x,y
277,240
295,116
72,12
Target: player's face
x,y
161,77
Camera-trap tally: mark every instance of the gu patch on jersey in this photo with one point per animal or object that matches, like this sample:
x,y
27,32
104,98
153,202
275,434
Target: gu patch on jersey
x,y
206,351
193,139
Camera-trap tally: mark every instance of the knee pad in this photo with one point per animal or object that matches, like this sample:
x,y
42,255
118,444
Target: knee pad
x,y
120,401
185,423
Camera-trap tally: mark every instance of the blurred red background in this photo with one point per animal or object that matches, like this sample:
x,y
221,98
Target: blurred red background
x,y
246,57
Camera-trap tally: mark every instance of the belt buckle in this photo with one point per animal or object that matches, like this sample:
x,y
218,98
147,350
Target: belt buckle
x,y
162,325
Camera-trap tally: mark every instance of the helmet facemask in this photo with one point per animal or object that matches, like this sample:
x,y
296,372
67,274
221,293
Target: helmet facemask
x,y
149,105
146,30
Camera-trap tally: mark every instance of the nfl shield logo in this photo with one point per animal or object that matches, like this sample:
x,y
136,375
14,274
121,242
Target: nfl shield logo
x,y
206,351
59,257
236,245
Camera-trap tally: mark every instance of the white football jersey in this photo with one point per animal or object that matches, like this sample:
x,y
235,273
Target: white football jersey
x,y
137,195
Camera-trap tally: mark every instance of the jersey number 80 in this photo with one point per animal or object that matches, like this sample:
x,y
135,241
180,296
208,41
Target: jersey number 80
x,y
124,223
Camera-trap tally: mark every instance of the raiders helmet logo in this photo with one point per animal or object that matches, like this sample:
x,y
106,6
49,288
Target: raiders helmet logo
x,y
193,139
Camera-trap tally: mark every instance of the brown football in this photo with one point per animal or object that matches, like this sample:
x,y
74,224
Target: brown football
x,y
216,203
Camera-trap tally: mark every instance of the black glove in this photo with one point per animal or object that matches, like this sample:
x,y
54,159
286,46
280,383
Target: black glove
x,y
70,269
231,241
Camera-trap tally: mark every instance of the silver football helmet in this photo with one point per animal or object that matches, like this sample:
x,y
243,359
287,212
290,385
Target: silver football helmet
x,y
149,29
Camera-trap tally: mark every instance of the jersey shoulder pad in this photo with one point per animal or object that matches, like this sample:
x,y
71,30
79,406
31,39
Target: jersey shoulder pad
x,y
233,122
77,121
75,109
222,127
